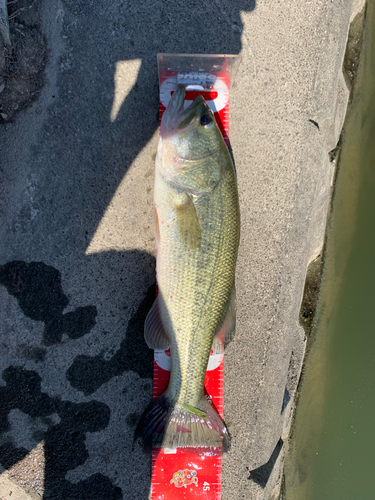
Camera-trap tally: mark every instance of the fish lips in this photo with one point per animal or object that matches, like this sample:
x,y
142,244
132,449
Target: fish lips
x,y
175,118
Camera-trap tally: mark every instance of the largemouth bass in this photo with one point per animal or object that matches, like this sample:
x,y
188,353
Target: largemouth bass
x,y
197,224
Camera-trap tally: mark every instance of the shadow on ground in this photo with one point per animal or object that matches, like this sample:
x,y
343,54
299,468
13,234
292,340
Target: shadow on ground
x,y
38,290
262,473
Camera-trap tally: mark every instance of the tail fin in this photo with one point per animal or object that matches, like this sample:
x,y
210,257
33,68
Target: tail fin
x,y
168,425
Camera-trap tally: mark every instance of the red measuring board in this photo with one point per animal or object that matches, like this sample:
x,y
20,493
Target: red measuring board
x,y
187,474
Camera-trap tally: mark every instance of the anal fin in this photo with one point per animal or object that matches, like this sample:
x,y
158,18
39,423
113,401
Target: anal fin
x,y
155,334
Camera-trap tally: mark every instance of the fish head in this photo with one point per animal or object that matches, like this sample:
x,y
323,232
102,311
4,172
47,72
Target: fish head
x,y
188,137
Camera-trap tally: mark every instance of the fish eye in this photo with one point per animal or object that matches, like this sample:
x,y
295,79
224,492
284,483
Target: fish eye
x,y
206,120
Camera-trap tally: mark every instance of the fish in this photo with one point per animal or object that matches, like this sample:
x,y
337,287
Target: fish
x,y
197,231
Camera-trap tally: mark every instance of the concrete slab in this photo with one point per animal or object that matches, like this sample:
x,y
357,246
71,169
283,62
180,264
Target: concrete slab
x,y
77,246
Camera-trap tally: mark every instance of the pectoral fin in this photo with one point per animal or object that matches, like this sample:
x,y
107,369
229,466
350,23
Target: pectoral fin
x,y
187,221
155,334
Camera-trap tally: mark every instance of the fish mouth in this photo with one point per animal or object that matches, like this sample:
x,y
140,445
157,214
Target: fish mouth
x,y
175,117
188,116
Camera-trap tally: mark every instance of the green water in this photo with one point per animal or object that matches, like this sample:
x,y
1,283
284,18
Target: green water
x,y
332,450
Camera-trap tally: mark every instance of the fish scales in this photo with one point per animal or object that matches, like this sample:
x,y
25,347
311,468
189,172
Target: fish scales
x,y
196,284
